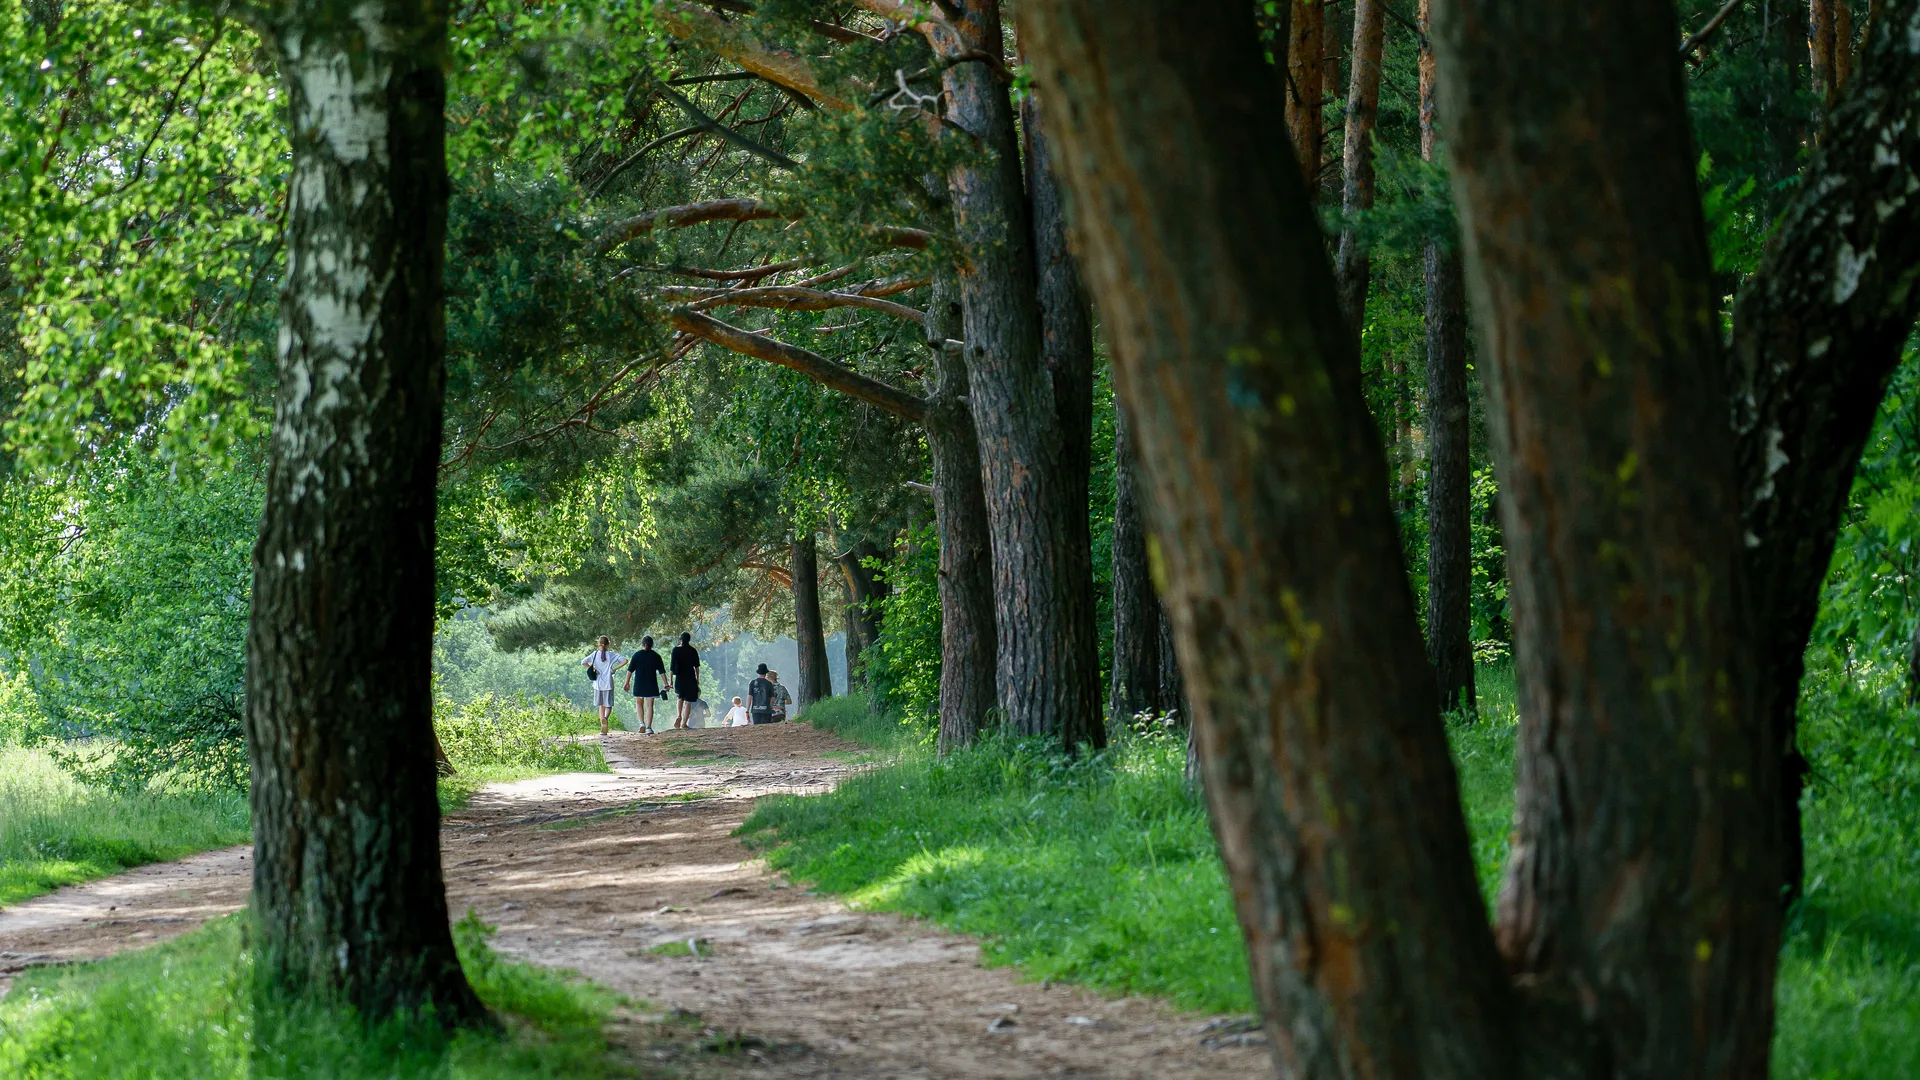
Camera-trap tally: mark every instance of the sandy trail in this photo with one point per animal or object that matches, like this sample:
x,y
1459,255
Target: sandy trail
x,y
608,873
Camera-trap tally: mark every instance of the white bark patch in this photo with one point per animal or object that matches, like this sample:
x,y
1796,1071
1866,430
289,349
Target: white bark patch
x,y
1819,348
1848,265
343,105
1776,460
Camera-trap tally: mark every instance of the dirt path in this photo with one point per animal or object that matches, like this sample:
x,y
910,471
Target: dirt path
x,y
613,874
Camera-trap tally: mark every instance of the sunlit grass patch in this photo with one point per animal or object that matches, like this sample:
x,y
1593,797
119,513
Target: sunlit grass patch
x,y
56,831
185,1011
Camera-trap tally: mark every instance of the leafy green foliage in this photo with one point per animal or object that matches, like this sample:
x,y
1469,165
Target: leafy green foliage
x,y
186,1010
142,163
905,669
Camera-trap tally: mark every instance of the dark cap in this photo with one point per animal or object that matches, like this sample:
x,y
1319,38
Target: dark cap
x,y
762,669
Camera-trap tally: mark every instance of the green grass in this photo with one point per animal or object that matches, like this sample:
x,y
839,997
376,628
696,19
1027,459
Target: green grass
x,y
1099,871
56,831
1104,873
848,717
184,1011
499,739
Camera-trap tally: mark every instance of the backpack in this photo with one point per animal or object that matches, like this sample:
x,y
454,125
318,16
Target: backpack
x,y
760,695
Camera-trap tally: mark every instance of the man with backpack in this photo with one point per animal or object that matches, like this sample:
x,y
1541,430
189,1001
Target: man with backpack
x,y
760,697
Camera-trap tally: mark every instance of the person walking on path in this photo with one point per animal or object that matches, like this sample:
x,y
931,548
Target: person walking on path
x,y
643,678
683,677
781,699
603,662
760,697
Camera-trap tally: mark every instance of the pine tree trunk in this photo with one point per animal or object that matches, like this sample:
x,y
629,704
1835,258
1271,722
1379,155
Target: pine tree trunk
x,y
1135,686
1066,331
348,899
1326,765
1047,684
816,683
1449,471
1639,902
1820,44
1305,89
1353,268
1842,44
968,692
1816,334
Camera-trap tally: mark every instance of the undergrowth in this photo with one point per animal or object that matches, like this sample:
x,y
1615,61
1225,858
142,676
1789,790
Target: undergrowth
x,y
185,1011
493,738
56,831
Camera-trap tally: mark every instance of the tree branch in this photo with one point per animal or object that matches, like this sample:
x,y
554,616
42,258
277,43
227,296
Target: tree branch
x,y
674,217
1699,38
811,364
714,127
697,24
786,298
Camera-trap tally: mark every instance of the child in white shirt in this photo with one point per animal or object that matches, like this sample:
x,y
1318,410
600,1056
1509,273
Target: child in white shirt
x,y
737,716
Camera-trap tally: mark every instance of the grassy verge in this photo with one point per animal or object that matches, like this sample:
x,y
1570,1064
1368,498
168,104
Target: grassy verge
x,y
184,1011
56,831
493,739
1103,872
848,717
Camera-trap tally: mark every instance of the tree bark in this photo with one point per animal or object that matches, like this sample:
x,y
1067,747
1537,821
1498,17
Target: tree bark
x,y
1066,332
1047,685
866,590
1353,267
968,639
1306,92
347,894
1816,334
1326,766
1842,44
1449,472
816,683
1638,903
1820,47
1135,685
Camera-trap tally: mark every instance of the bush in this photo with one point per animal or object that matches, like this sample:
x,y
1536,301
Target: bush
x,y
540,733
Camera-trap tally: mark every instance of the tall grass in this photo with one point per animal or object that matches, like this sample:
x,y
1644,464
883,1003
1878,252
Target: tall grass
x,y
185,1011
56,831
494,738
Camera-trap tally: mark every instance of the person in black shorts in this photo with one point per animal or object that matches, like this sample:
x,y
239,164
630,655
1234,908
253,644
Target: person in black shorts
x,y
683,678
643,678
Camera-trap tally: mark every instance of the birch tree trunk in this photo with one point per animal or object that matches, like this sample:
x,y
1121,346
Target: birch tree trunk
x,y
348,900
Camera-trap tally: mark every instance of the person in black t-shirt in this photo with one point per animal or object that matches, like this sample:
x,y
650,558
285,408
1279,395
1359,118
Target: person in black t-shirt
x,y
683,678
643,678
760,698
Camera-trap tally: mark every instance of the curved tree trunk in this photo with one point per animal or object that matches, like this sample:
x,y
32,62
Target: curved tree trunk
x,y
1816,334
1047,683
816,683
1326,765
1639,899
347,894
1135,685
1353,268
1449,472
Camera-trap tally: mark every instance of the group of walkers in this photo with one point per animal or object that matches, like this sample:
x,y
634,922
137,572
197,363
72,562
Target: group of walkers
x,y
682,672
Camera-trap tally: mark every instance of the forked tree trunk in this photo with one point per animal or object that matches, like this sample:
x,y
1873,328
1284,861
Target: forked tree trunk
x,y
1135,685
1449,474
1353,268
1325,762
1306,31
1048,685
1639,900
348,899
816,681
1816,335
968,643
